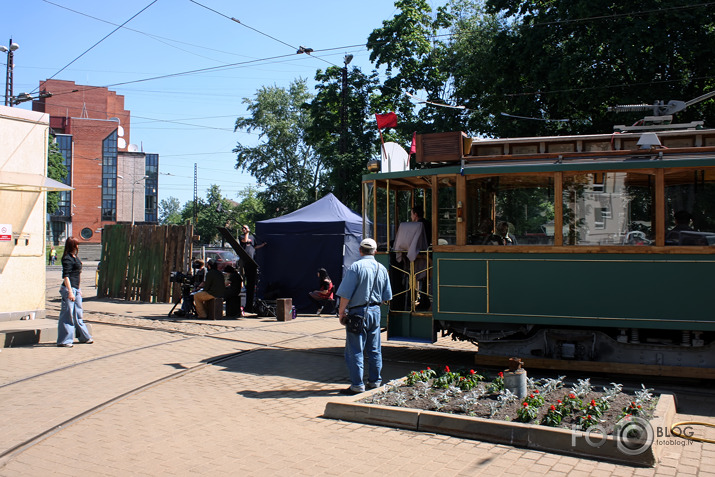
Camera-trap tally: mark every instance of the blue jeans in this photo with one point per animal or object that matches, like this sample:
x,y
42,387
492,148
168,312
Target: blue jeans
x,y
70,322
368,342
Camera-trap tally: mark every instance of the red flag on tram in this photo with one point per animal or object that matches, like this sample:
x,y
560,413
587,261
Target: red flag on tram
x,y
388,120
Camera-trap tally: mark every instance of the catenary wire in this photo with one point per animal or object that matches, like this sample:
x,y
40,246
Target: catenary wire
x,y
100,41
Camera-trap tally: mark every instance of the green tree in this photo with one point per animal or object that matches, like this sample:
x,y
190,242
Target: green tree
x,y
250,209
418,67
211,213
56,170
283,161
572,60
343,153
170,211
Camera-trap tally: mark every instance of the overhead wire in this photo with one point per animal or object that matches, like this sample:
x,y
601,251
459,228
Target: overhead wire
x,y
100,41
150,35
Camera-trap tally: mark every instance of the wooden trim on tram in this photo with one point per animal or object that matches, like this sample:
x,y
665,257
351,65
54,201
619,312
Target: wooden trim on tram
x,y
660,208
579,249
599,367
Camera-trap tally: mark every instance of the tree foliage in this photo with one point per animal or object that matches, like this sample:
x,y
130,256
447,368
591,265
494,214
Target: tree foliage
x,y
284,161
213,212
56,170
573,59
170,211
344,163
417,65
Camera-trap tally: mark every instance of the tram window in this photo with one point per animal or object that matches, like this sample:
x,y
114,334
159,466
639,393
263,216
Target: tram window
x,y
525,203
690,197
447,211
608,208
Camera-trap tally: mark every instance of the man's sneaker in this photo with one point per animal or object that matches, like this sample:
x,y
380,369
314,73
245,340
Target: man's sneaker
x,y
351,391
374,385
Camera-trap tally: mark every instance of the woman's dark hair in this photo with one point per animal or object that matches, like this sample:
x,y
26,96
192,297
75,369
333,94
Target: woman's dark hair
x,y
322,275
71,247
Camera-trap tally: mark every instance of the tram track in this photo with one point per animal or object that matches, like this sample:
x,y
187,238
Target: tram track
x,y
28,443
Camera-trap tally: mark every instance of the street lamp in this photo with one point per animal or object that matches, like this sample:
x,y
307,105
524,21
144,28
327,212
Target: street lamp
x,y
133,189
10,65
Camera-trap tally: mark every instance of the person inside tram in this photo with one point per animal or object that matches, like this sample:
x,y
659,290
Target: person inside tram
x,y
417,214
505,238
683,223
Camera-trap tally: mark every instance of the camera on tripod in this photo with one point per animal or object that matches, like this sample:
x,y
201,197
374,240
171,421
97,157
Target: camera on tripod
x,y
181,278
186,282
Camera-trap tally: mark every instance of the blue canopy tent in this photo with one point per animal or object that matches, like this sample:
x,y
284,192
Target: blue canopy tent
x,y
325,234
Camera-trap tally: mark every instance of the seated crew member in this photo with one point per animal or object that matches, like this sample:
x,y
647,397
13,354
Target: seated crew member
x,y
323,296
213,286
232,295
187,299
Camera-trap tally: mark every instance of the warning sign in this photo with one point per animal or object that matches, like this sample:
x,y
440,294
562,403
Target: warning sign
x,y
5,232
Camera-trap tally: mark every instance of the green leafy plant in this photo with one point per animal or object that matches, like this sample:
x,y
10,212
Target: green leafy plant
x,y
469,380
586,421
446,379
571,403
417,376
527,412
553,417
497,384
633,409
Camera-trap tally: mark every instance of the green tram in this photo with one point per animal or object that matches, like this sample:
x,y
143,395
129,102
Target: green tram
x,y
555,247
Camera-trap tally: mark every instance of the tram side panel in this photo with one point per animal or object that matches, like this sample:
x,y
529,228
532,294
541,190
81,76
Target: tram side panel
x,y
614,306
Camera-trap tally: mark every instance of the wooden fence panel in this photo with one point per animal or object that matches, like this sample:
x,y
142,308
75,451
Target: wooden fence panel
x,y
137,261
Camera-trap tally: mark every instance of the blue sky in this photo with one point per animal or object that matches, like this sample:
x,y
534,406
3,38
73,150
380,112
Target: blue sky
x,y
186,119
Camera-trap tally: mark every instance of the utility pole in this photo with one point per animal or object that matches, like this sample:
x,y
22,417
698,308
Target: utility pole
x,y
9,71
195,195
343,141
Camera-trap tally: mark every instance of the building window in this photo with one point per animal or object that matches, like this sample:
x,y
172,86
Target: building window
x,y
64,143
109,178
151,186
86,233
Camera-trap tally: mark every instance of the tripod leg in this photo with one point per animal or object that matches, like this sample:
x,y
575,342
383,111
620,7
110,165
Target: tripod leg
x,y
173,307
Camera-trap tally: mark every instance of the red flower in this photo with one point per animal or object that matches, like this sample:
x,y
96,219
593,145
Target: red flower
x,y
461,378
558,401
531,396
572,396
639,406
430,369
593,402
501,375
588,417
525,404
536,391
446,369
471,371
553,408
633,404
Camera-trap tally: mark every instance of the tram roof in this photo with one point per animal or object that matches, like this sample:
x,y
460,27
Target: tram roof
x,y
445,151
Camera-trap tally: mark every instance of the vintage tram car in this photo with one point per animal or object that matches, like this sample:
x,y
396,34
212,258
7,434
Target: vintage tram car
x,y
564,248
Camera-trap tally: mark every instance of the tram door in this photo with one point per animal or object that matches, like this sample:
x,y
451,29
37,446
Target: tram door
x,y
399,217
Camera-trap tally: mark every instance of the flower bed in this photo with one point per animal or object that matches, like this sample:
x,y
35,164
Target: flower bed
x,y
548,402
580,420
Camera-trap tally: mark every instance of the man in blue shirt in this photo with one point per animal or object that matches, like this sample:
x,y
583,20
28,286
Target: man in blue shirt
x,y
365,286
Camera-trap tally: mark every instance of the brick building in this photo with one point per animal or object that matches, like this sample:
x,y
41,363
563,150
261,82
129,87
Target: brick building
x,y
113,181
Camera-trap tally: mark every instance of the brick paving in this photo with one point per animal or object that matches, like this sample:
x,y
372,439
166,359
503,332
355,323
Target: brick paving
x,y
165,403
